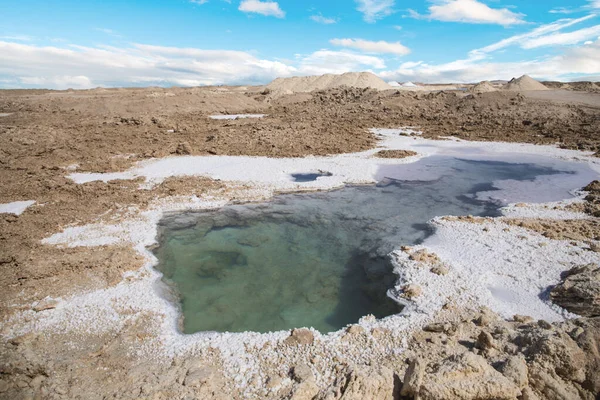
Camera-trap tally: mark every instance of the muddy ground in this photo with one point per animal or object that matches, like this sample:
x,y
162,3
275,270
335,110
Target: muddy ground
x,y
44,134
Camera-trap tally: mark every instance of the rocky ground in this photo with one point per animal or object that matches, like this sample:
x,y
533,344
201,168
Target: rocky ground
x,y
465,355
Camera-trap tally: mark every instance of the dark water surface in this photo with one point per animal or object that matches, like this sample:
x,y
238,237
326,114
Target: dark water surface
x,y
313,260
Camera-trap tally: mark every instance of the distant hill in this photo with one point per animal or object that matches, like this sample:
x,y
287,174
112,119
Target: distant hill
x,y
328,81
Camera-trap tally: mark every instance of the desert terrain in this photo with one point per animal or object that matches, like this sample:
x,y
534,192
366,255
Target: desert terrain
x,y
458,353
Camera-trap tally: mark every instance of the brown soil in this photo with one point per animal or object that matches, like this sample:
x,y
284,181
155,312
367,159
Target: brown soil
x,y
30,271
561,229
592,200
395,153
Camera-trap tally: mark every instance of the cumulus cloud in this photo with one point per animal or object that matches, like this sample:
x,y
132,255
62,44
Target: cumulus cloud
x,y
323,20
374,10
267,8
372,47
470,11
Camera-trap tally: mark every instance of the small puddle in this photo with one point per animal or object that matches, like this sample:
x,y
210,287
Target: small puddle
x,y
5,114
319,259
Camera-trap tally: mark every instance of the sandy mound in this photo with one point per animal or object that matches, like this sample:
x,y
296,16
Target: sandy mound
x,y
328,81
483,87
524,83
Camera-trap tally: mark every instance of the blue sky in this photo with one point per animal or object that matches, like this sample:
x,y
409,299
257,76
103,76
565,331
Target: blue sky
x,y
92,43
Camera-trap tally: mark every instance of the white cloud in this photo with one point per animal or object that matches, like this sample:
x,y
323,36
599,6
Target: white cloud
x,y
372,47
323,20
81,67
62,81
533,34
63,67
562,10
267,8
19,38
200,2
337,62
472,11
583,60
410,64
563,38
594,3
374,10
108,32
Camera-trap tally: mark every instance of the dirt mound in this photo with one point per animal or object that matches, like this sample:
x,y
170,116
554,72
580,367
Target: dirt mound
x,y
483,87
524,83
328,81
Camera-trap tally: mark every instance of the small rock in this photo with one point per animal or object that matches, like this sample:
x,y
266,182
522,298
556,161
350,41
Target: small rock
x,y
184,149
411,291
22,383
483,320
274,381
46,304
3,386
523,319
529,394
515,369
423,256
19,340
485,341
379,333
302,372
413,378
446,328
579,292
355,330
544,324
37,382
576,332
305,391
300,336
440,269
197,377
61,390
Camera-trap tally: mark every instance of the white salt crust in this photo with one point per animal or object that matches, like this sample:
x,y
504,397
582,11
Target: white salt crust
x,y
16,207
237,116
504,269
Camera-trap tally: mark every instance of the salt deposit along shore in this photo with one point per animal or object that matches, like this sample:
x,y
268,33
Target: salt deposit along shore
x,y
143,320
